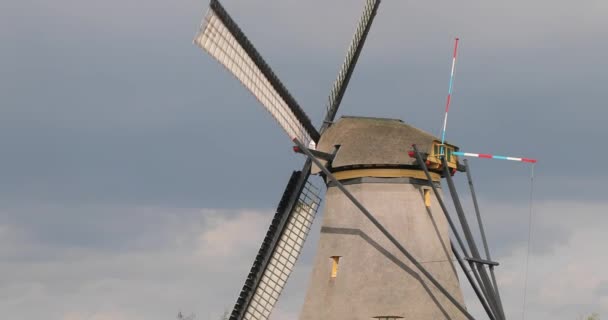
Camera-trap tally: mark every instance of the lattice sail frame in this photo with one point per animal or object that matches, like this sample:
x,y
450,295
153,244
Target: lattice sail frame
x,y
352,55
284,257
216,38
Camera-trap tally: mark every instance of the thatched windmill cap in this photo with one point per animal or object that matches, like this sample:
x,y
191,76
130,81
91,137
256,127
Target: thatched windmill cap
x,y
373,142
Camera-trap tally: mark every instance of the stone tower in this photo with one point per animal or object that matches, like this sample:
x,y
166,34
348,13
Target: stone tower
x,y
358,274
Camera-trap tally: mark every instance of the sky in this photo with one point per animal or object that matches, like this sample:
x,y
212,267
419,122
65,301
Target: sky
x,y
138,177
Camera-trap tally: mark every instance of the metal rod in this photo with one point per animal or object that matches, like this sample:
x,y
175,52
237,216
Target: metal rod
x,y
483,286
502,311
477,212
483,234
387,234
451,223
469,236
440,201
480,295
482,261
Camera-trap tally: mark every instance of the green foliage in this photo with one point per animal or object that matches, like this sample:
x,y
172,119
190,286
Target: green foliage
x,y
593,316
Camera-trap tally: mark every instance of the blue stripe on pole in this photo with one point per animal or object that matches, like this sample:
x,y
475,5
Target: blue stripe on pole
x,y
451,84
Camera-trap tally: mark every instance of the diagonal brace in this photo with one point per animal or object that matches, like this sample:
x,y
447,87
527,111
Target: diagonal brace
x,y
480,291
471,240
482,261
483,233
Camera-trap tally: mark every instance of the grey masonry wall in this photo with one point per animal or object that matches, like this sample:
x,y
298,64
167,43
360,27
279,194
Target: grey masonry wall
x,y
374,279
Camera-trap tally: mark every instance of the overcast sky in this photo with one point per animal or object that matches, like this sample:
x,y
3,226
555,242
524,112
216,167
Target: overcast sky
x,y
138,177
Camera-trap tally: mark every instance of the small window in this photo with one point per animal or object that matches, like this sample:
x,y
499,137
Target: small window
x,y
335,261
427,197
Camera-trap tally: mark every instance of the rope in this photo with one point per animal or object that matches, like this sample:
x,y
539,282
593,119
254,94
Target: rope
x,y
523,312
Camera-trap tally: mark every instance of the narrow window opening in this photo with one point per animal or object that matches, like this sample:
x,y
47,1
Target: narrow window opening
x,y
427,197
335,261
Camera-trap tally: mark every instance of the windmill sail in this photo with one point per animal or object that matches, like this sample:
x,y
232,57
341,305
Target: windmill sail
x,y
280,249
339,88
220,36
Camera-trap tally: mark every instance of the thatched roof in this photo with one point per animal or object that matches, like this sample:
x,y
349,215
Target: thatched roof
x,y
373,141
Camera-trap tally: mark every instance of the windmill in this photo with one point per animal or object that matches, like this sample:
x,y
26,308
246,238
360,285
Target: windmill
x,y
384,250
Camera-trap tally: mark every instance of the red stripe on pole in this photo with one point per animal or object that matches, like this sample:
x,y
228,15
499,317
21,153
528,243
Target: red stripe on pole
x,y
447,105
487,156
456,47
528,160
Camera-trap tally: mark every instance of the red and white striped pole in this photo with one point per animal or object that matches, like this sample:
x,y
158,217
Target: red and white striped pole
x,y
491,156
450,90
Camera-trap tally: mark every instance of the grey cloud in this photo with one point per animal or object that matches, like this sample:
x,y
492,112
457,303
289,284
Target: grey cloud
x,y
562,283
171,271
602,289
554,224
154,281
114,229
83,228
